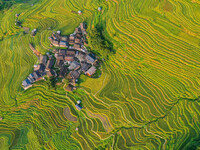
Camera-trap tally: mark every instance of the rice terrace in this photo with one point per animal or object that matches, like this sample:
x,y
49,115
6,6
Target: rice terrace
x,y
100,74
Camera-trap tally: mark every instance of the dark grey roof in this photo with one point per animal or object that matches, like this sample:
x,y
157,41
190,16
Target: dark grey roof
x,y
59,57
78,107
90,58
63,71
50,63
85,67
75,74
74,65
50,73
64,44
59,63
41,68
26,82
43,59
36,75
62,51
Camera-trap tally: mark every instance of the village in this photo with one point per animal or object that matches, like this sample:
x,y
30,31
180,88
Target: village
x,y
68,59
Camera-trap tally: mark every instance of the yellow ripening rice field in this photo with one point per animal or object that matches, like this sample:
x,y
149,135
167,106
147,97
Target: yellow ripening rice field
x,y
147,98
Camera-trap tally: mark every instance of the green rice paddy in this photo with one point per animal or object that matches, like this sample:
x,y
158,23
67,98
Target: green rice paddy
x,y
147,98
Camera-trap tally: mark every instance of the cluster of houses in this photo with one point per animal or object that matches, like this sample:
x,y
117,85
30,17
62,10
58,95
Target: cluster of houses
x,y
39,72
70,57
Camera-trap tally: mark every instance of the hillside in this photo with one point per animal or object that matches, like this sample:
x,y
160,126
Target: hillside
x,y
148,96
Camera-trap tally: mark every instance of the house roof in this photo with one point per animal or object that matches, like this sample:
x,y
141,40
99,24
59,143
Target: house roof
x,y
50,73
78,35
77,40
71,52
91,71
69,58
77,46
78,30
90,58
71,42
62,51
69,88
43,59
71,37
59,63
63,71
59,57
83,26
64,38
78,107
50,63
85,67
55,43
74,65
26,82
64,44
36,75
40,68
75,74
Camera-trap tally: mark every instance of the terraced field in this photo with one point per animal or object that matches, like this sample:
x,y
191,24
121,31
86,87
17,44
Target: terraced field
x,y
148,96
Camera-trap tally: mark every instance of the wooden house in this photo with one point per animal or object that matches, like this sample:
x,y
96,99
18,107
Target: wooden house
x,y
91,71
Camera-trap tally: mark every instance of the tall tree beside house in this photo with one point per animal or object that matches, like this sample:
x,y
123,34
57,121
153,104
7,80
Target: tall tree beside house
x,y
98,43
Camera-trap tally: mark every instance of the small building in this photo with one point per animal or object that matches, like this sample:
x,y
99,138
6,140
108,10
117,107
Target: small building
x,y
74,65
79,101
79,12
70,52
78,40
79,107
62,52
71,37
40,68
69,88
85,66
30,78
51,73
55,43
50,64
63,72
43,59
17,15
99,8
79,35
75,74
69,58
64,44
83,27
58,32
77,46
34,32
78,30
91,58
91,71
64,38
81,56
59,57
26,83
36,75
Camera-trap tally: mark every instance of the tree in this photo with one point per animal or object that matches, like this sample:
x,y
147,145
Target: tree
x,y
98,43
